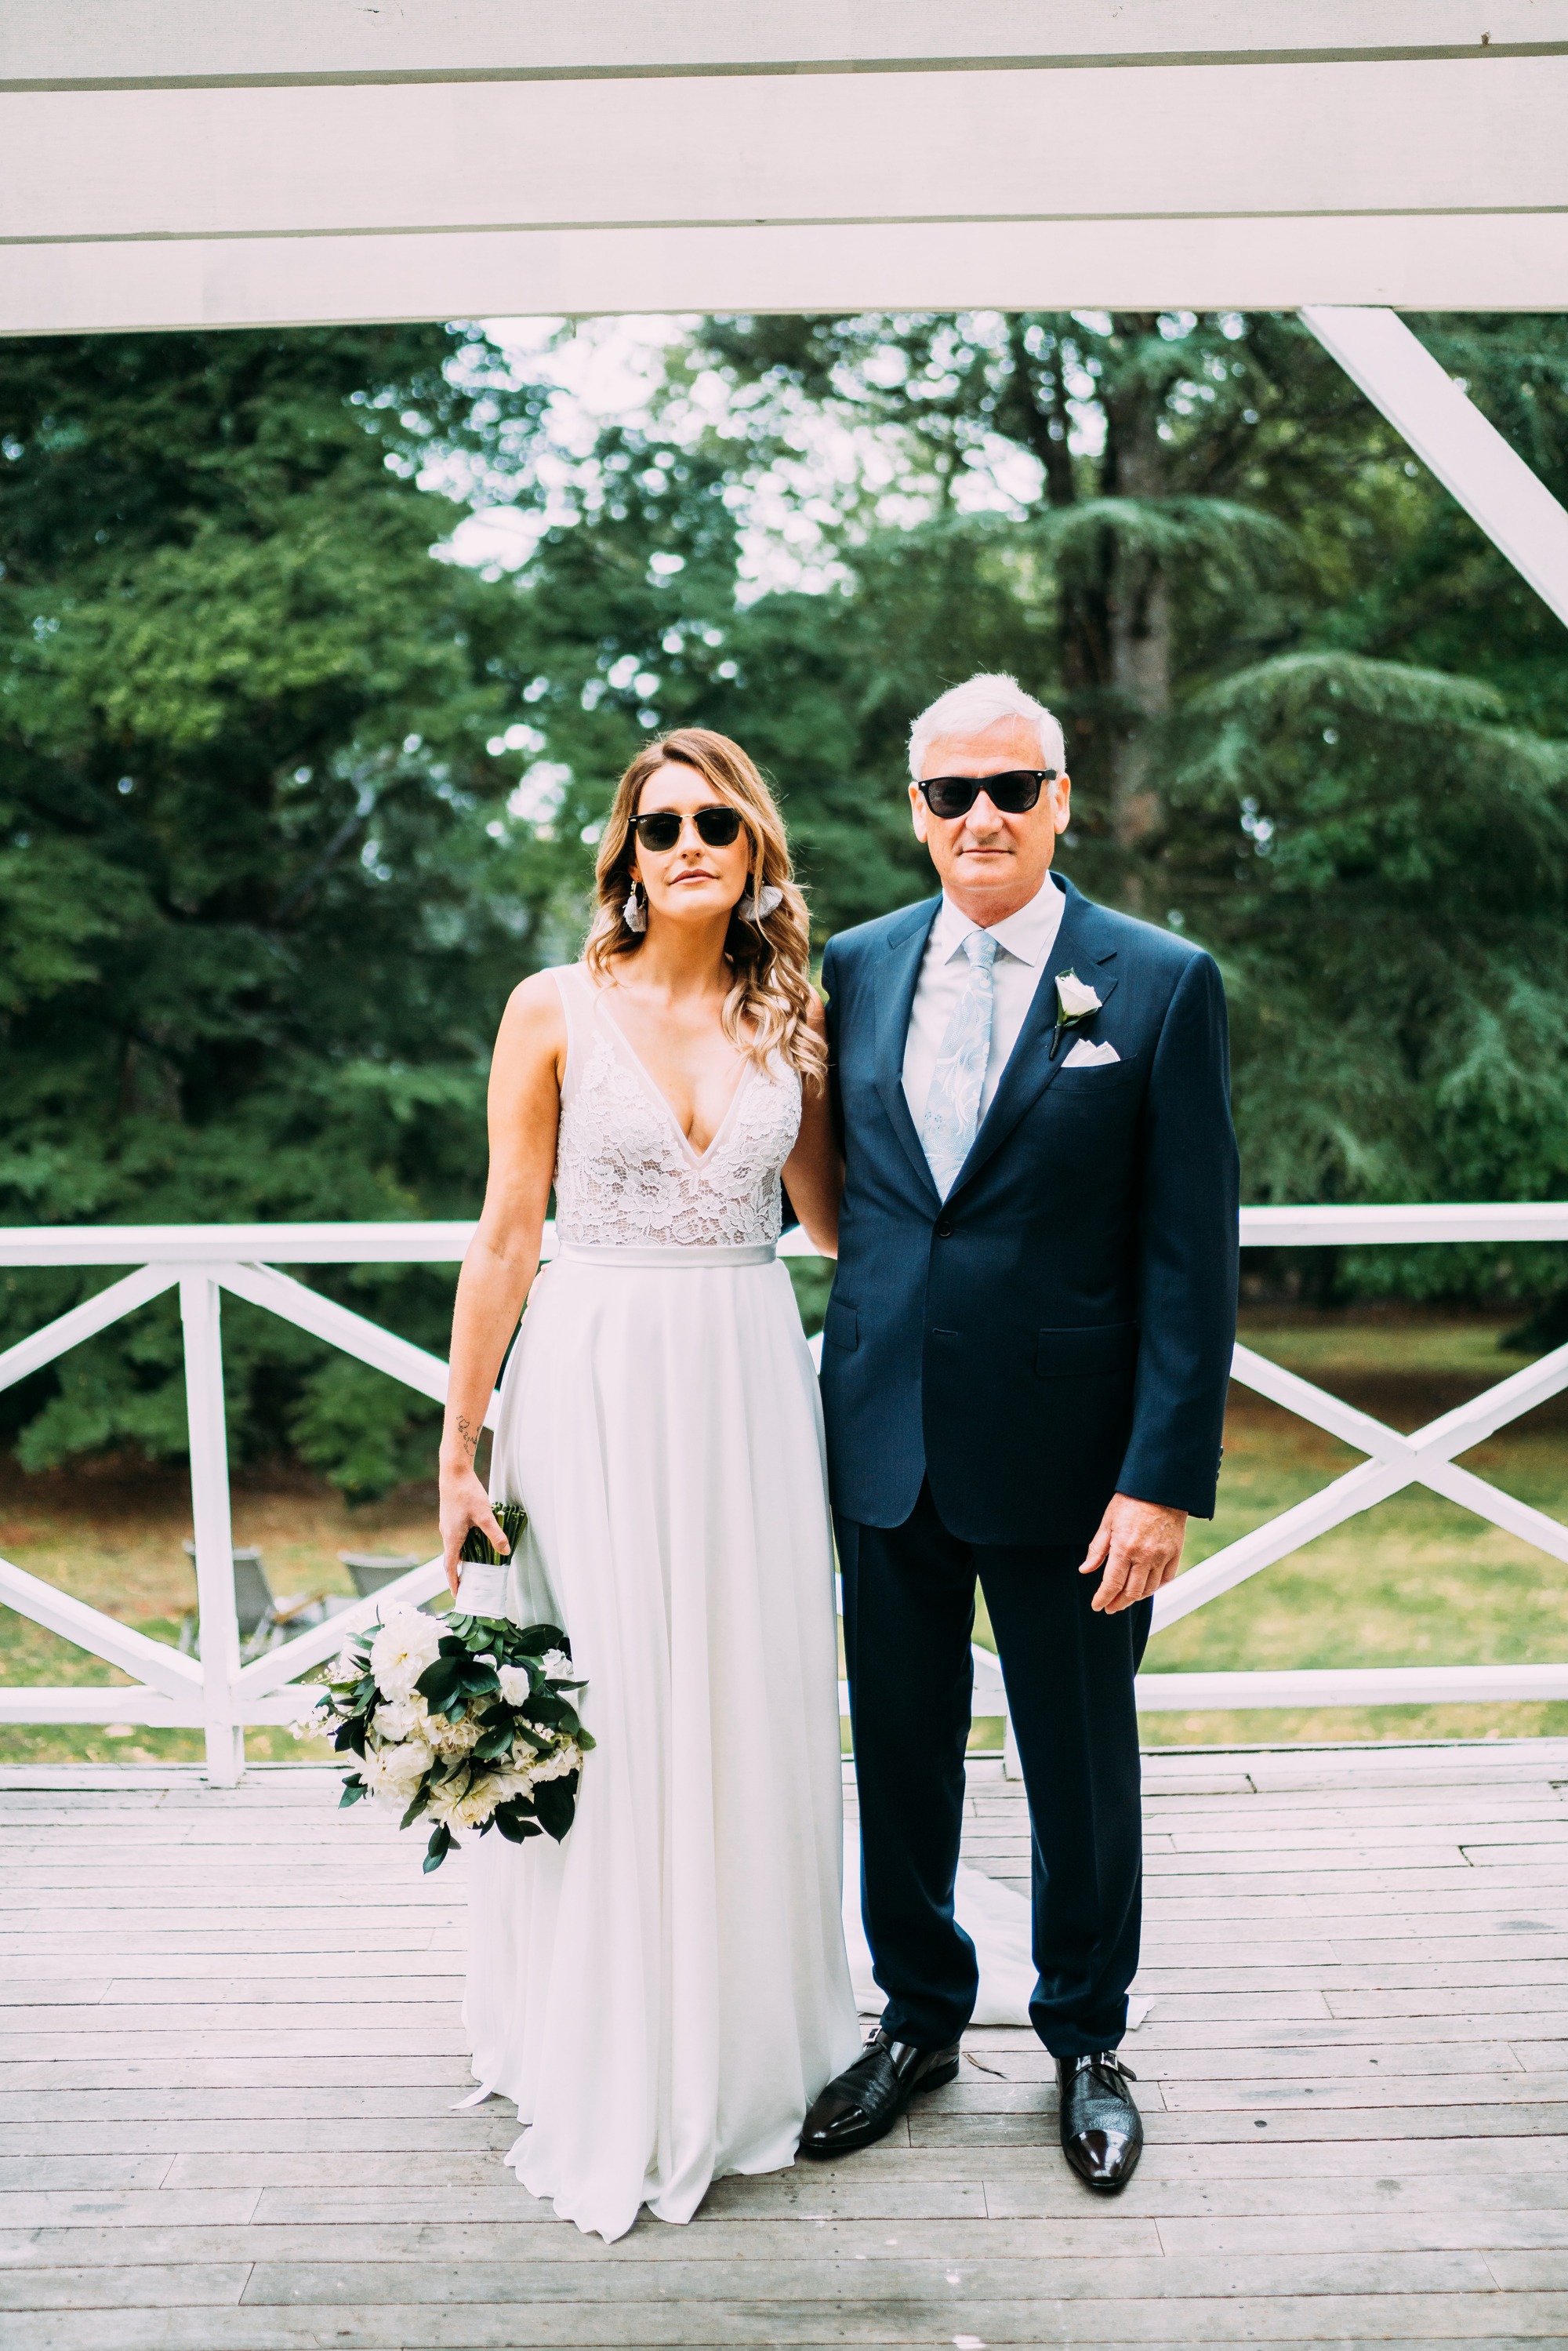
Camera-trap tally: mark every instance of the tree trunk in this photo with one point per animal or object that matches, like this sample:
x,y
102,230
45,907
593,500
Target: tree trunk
x,y
1137,617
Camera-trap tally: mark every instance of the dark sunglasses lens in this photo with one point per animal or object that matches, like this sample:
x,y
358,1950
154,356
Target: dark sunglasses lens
x,y
954,796
659,831
718,826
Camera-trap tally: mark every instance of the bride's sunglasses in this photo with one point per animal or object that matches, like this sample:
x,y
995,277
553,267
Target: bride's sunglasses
x,y
1012,794
661,827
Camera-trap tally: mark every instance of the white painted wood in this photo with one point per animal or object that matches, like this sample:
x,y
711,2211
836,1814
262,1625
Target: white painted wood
x,y
1352,1686
1453,261
83,1322
1449,434
199,1308
192,1246
276,1667
1372,138
296,1303
94,44
170,1675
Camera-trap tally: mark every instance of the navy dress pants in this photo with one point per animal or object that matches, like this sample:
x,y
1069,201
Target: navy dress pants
x,y
909,1610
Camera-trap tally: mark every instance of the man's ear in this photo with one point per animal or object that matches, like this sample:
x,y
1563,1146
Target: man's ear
x,y
1063,789
919,813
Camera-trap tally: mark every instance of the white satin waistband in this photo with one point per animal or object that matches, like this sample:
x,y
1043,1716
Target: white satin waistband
x,y
662,1259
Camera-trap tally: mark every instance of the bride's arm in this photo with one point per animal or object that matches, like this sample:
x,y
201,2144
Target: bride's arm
x,y
504,1254
814,1170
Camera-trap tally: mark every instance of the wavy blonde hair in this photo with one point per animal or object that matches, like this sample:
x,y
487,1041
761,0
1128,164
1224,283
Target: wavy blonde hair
x,y
768,1010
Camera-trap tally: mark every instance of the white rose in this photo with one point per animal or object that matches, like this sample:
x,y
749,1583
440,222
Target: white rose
x,y
1074,999
396,1771
403,1718
555,1665
515,1684
406,1644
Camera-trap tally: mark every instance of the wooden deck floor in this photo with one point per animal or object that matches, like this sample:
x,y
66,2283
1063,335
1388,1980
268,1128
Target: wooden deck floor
x,y
232,2045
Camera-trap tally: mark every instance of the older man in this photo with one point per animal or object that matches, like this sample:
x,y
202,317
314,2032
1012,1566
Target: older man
x,y
1023,1369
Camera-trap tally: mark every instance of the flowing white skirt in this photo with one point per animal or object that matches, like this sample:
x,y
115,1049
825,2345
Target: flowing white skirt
x,y
665,1993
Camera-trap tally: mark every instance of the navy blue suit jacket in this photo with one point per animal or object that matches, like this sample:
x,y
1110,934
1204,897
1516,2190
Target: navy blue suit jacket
x,y
1059,1329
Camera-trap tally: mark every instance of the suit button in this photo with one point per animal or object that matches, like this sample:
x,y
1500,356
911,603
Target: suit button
x,y
944,1230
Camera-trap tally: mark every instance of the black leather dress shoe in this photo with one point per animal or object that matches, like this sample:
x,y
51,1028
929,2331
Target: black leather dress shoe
x,y
864,2103
1101,2129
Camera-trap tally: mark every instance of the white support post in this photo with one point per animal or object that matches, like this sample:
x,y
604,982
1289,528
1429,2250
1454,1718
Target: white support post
x,y
1454,440
200,1299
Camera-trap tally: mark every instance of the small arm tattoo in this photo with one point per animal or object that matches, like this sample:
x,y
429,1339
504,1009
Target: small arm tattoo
x,y
467,1434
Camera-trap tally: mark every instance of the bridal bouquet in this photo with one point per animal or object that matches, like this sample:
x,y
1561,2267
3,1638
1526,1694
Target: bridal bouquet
x,y
464,1719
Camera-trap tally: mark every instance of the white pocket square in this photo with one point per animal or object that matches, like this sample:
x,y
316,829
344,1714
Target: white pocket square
x,y
1086,1055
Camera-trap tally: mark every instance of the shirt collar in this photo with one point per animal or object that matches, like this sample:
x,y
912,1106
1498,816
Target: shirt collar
x,y
1028,936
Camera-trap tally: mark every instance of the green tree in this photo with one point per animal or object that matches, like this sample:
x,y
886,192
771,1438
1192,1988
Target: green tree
x,y
259,904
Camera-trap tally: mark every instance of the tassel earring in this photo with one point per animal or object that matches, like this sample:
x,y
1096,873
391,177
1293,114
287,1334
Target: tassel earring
x,y
634,913
757,909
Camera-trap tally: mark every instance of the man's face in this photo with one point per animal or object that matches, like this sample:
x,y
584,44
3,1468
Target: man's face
x,y
990,863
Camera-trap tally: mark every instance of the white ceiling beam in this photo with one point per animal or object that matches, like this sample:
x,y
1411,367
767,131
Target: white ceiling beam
x,y
1444,262
126,44
1177,142
1454,441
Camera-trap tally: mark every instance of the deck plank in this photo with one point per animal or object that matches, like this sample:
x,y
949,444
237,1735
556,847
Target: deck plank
x,y
230,2040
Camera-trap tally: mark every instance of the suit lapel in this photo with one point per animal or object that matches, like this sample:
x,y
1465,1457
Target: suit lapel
x,y
1081,946
898,972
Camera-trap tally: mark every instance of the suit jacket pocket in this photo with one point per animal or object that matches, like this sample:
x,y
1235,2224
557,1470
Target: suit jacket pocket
x,y
1092,1348
840,1325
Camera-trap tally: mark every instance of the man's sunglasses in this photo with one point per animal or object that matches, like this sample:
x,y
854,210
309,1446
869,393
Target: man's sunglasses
x,y
1012,794
661,827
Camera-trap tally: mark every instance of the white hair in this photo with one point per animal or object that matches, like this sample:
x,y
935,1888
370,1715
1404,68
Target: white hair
x,y
980,702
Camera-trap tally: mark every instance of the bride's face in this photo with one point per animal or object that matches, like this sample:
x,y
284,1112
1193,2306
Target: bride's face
x,y
696,880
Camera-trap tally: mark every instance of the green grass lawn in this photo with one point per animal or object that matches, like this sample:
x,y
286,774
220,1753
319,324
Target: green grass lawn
x,y
1416,1581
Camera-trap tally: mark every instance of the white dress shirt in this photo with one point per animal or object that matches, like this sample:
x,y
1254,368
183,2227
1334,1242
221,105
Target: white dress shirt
x,y
1024,942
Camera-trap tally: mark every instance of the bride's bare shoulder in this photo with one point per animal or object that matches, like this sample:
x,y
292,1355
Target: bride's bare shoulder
x,y
534,1022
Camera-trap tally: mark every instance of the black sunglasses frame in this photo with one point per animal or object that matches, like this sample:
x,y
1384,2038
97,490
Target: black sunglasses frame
x,y
1013,793
718,828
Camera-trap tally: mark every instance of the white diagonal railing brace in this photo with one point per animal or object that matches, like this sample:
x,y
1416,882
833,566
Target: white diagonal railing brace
x,y
1397,1462
218,1697
152,1662
276,1667
83,1322
1454,440
353,1333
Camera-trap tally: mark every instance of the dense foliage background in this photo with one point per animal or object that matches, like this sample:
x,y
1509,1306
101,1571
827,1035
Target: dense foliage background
x,y
290,799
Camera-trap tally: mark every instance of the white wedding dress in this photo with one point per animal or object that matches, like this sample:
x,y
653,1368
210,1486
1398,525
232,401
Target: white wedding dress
x,y
665,1993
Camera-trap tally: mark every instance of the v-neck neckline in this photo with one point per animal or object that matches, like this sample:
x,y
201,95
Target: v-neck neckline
x,y
698,1158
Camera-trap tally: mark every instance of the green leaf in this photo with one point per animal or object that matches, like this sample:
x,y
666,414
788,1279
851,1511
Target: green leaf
x,y
440,1845
353,1788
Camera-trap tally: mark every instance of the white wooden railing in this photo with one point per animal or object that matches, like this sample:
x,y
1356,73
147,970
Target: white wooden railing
x,y
220,1696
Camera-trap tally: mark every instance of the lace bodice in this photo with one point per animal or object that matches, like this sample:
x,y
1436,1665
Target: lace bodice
x,y
626,1176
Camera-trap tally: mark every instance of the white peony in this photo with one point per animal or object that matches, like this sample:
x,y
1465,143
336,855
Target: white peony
x,y
406,1644
466,1801
401,1717
396,1771
515,1684
1075,1000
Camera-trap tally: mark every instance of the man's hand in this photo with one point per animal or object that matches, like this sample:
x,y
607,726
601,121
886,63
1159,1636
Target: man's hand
x,y
1139,1547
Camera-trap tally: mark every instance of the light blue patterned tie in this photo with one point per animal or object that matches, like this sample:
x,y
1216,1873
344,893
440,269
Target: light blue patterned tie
x,y
953,1105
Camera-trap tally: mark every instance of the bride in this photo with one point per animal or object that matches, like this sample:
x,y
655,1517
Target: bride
x,y
665,1993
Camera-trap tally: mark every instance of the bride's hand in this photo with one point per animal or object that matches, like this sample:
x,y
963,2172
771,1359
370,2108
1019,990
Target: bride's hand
x,y
465,1504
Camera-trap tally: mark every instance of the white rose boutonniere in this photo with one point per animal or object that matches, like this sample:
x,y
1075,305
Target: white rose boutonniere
x,y
1075,1000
